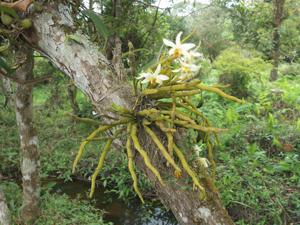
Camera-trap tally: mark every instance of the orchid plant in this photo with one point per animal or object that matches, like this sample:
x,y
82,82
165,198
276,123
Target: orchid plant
x,y
168,90
183,57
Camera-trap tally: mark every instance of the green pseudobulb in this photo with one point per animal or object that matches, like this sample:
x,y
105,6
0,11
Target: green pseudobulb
x,y
6,19
26,23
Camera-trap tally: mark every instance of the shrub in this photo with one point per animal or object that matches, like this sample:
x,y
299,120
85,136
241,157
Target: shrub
x,y
56,209
237,67
292,69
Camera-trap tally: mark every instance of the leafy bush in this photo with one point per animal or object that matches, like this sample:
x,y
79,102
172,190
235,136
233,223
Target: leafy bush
x,y
56,209
60,209
292,69
237,67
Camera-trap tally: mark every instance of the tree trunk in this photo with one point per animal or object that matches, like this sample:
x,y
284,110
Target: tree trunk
x,y
28,138
4,212
117,50
278,14
93,74
91,4
72,92
7,90
117,58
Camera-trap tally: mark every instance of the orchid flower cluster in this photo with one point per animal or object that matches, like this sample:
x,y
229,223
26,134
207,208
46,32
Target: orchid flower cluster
x,y
162,107
183,55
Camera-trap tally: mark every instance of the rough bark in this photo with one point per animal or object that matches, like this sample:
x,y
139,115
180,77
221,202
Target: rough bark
x,y
72,91
28,138
8,93
4,211
117,50
277,20
117,58
93,74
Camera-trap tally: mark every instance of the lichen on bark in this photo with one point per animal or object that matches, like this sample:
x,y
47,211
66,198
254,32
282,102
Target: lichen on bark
x,y
28,138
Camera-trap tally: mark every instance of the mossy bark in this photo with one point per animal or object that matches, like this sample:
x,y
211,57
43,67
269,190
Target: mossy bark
x,y
28,138
96,77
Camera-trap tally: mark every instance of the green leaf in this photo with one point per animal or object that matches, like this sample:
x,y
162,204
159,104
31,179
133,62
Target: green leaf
x,y
98,22
5,46
9,11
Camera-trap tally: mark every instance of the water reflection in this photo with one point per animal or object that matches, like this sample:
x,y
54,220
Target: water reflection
x,y
116,211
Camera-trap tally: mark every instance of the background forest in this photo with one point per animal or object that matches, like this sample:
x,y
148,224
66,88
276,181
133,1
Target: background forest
x,y
246,49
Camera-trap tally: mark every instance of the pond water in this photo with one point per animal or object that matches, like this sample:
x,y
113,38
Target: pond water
x,y
117,211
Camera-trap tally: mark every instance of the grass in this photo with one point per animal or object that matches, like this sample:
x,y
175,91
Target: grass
x,y
55,208
258,159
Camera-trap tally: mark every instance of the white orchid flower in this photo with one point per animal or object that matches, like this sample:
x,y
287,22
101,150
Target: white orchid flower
x,y
187,71
197,149
193,54
178,49
153,78
204,162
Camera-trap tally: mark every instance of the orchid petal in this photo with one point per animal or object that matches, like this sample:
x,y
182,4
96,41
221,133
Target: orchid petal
x,y
168,43
171,51
158,68
178,42
187,46
177,70
196,54
162,77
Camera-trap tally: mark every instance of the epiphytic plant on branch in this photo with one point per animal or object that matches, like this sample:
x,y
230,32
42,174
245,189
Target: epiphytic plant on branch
x,y
163,104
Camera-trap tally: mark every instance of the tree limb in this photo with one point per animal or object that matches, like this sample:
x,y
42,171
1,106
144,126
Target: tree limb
x,y
27,82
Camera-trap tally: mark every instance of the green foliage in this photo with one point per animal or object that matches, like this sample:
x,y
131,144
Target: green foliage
x,y
117,179
60,209
237,67
292,69
291,91
8,10
56,209
13,195
250,191
253,26
258,157
212,27
9,142
290,32
98,22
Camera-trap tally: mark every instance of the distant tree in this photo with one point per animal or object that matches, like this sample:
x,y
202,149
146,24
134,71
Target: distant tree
x,y
212,26
253,26
278,7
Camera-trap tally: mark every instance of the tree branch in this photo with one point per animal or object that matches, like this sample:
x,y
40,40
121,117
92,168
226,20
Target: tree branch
x,y
28,82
